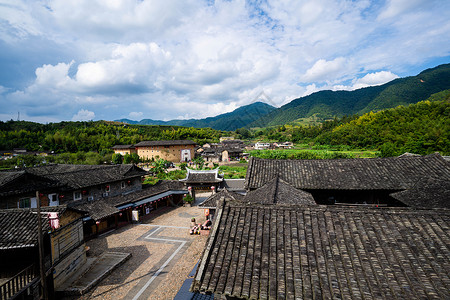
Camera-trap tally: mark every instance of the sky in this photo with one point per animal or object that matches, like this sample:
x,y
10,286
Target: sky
x,y
76,60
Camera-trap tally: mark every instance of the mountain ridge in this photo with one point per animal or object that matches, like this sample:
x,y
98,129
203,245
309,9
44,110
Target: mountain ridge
x,y
238,118
328,104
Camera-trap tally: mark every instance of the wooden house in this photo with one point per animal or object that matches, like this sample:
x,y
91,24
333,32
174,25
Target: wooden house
x,y
63,255
59,184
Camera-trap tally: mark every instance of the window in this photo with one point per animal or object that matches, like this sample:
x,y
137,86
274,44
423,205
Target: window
x,y
122,185
53,199
76,195
24,203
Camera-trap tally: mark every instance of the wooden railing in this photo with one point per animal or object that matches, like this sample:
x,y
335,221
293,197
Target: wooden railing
x,y
18,283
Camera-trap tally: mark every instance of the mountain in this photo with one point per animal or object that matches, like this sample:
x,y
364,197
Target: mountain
x,y
327,104
231,121
421,128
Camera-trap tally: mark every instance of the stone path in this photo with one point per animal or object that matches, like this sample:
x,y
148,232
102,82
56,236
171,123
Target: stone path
x,y
163,254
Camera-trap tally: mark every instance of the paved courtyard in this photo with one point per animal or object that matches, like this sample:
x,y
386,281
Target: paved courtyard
x,y
163,254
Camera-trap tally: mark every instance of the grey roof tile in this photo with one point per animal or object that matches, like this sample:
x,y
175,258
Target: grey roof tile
x,y
348,174
164,143
278,191
427,193
299,252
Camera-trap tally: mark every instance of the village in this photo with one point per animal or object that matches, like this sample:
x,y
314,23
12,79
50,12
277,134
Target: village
x,y
295,229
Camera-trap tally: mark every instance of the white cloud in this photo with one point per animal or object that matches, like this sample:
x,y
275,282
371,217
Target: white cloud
x,y
169,58
84,115
324,70
397,7
376,78
136,115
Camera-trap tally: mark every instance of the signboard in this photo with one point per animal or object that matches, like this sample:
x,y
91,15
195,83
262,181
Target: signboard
x,y
135,215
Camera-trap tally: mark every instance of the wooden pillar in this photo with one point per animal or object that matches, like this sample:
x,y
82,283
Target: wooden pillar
x,y
116,221
41,248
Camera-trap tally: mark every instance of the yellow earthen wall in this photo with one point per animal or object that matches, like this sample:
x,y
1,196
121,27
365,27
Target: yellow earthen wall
x,y
170,153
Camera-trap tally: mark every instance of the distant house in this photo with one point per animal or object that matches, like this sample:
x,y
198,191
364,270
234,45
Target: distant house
x,y
173,150
64,250
124,149
262,146
285,145
225,151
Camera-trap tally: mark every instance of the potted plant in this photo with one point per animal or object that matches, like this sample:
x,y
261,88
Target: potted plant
x,y
188,200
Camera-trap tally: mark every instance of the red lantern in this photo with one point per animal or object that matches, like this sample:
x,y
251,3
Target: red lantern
x,y
189,188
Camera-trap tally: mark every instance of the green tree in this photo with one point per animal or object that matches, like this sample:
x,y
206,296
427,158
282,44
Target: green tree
x,y
199,162
117,158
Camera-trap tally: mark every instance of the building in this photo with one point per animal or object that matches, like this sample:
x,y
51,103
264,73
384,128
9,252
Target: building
x,y
258,251
60,184
226,151
64,251
262,146
124,149
174,151
351,181
281,241
107,214
202,180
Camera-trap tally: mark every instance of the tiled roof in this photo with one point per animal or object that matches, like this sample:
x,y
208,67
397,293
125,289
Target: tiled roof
x,y
427,193
319,252
18,227
202,176
80,176
18,182
105,207
234,184
213,200
98,209
348,174
278,191
123,147
164,143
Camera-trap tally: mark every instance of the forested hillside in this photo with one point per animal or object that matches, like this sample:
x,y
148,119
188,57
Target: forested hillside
x,y
420,128
329,104
91,136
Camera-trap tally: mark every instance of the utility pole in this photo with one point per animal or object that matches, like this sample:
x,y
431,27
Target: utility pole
x,y
41,249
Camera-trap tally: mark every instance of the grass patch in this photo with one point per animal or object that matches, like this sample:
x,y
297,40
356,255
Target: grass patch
x,y
234,172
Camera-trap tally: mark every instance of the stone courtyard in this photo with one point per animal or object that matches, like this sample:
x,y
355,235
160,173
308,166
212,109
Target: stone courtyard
x,y
163,254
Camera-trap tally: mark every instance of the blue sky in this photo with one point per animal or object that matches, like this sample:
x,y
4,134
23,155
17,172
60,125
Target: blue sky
x,y
99,59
